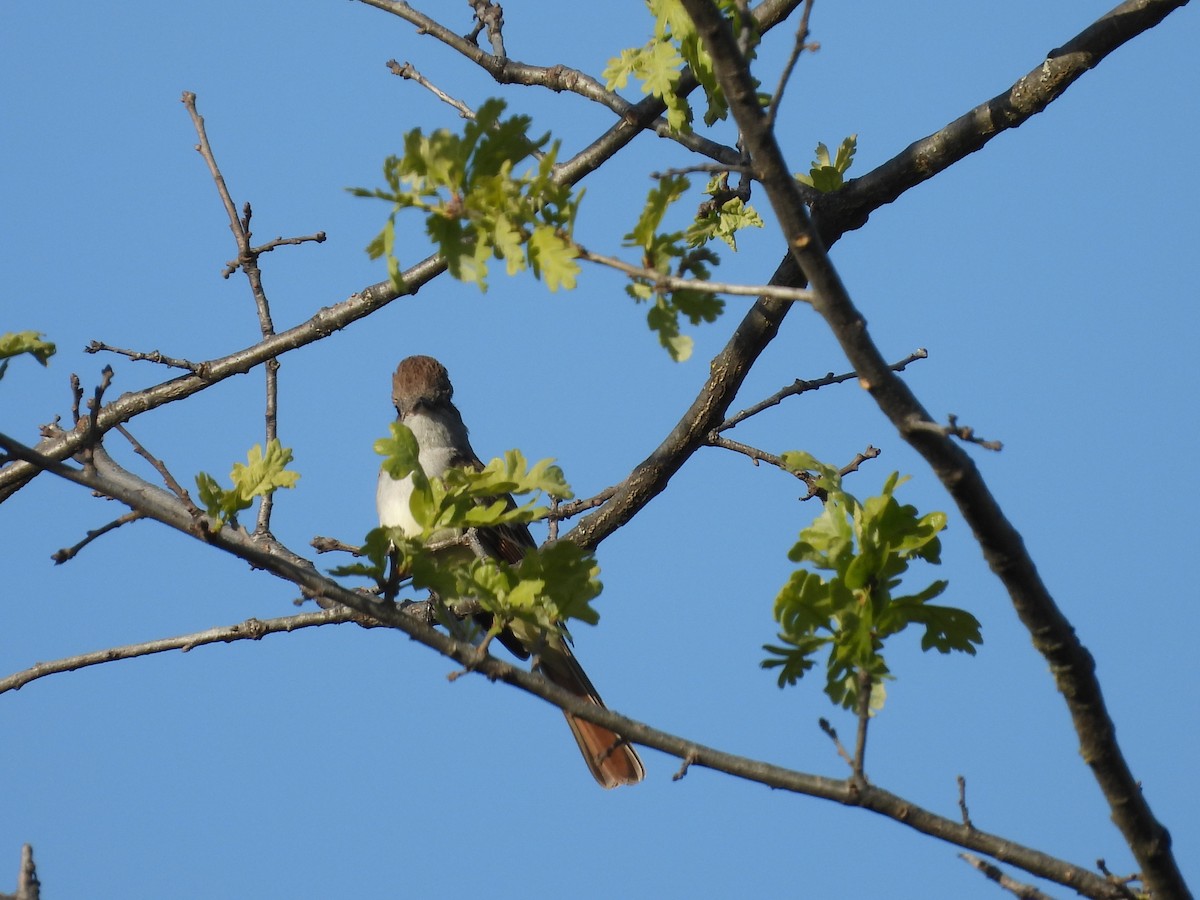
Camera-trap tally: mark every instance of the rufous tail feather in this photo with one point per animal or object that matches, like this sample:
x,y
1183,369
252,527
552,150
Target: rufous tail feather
x,y
611,760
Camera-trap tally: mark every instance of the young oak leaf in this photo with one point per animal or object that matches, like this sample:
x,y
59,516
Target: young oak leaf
x,y
866,547
261,475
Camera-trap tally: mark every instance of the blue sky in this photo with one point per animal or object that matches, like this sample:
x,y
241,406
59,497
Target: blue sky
x,y
1049,276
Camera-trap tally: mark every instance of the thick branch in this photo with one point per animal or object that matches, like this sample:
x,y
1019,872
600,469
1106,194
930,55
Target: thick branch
x,y
266,553
1052,634
849,208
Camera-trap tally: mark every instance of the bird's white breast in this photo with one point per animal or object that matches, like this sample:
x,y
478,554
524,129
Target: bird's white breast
x,y
436,452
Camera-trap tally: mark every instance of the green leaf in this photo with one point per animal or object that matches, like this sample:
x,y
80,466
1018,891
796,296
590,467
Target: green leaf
x,y
401,451
475,207
664,319
261,475
723,222
553,258
15,343
866,547
221,504
669,189
826,175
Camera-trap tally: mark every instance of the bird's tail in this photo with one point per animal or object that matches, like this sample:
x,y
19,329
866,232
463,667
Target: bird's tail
x,y
611,760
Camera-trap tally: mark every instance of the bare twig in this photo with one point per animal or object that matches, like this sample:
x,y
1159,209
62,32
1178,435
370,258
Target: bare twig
x,y
161,468
831,733
76,398
247,260
330,545
755,454
251,629
491,17
992,871
69,553
872,452
798,47
1121,882
234,264
758,455
683,768
662,282
153,356
953,429
702,169
28,886
409,71
864,720
962,802
800,386
569,510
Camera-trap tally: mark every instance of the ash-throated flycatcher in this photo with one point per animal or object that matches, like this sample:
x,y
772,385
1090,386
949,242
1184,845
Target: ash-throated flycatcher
x,y
421,392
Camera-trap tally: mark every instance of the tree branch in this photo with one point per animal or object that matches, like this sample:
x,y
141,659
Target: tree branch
x,y
251,629
560,78
1072,665
268,554
849,208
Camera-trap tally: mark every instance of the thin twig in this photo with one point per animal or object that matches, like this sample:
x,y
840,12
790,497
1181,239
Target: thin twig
x,y
953,429
798,47
683,768
662,282
575,507
69,553
962,802
331,545
76,398
1121,882
205,150
251,629
871,452
491,17
92,433
865,684
994,872
153,356
234,264
800,386
161,468
247,260
409,71
702,169
832,734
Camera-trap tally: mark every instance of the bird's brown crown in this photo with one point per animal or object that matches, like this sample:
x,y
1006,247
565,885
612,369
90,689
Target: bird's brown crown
x,y
420,380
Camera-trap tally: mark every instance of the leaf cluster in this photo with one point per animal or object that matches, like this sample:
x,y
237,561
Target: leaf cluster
x,y
658,64
867,548
828,175
464,508
475,208
263,474
15,343
723,216
672,254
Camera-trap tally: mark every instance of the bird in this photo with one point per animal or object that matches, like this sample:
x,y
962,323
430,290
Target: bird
x,y
422,395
